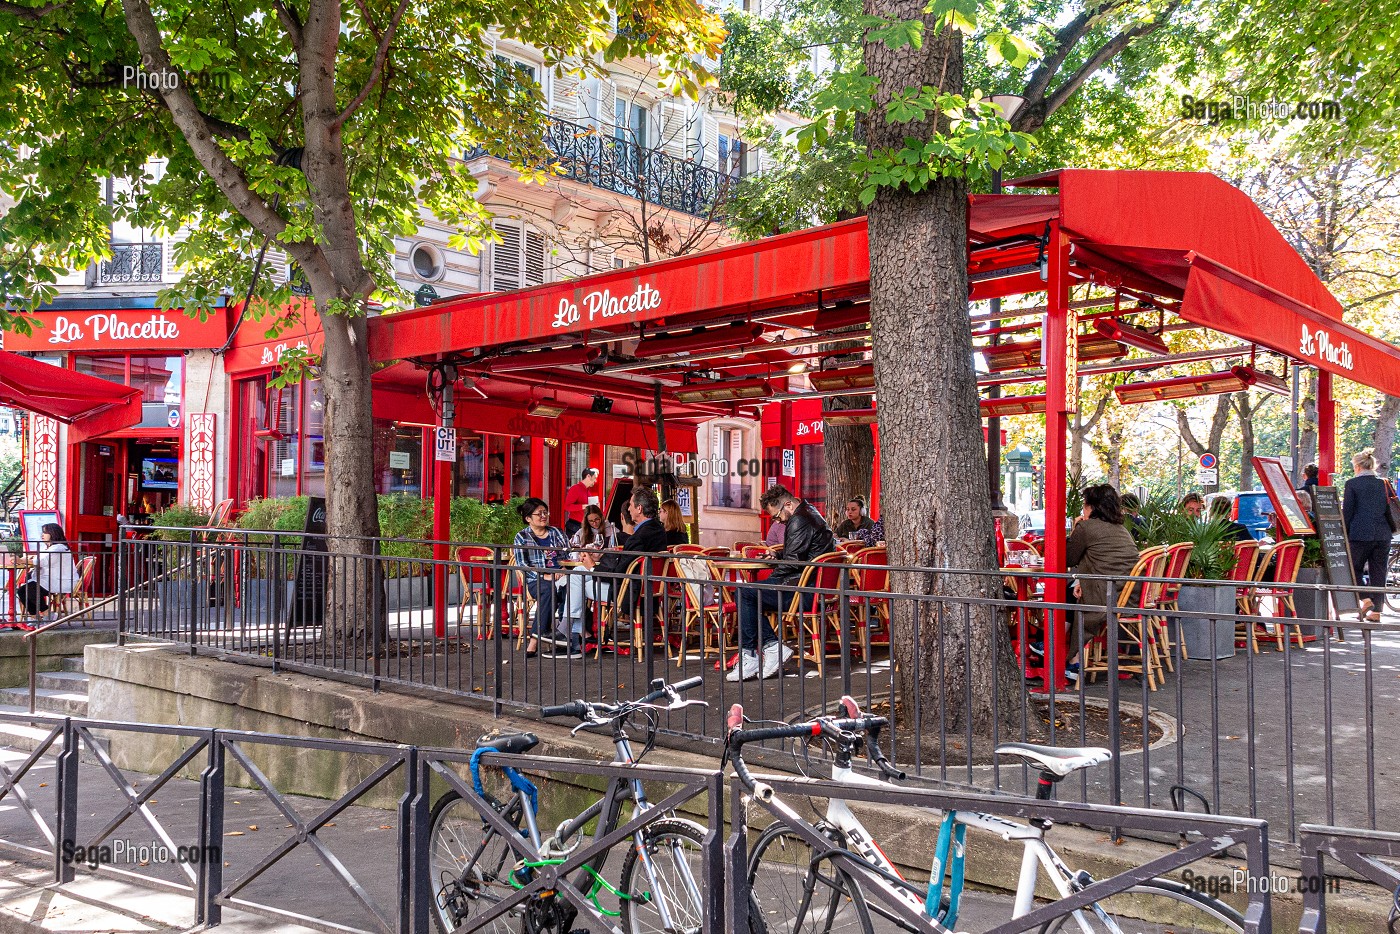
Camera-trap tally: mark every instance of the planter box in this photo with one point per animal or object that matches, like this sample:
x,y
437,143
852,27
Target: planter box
x,y
416,593
1312,604
1195,632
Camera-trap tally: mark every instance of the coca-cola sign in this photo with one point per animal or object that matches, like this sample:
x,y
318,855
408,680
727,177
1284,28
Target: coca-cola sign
x,y
131,329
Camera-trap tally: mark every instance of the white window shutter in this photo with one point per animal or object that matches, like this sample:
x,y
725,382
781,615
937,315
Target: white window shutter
x,y
711,142
505,259
534,257
275,266
171,270
607,103
564,101
673,128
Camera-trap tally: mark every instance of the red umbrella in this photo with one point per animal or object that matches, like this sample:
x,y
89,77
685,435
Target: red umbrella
x,y
88,405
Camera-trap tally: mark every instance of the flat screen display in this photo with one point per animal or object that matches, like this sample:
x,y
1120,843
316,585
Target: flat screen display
x,y
160,473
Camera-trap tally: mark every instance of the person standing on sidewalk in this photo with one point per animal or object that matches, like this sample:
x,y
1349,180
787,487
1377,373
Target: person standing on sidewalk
x,y
1366,510
806,537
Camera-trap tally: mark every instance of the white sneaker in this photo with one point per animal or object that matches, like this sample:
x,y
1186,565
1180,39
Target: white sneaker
x,y
746,668
775,655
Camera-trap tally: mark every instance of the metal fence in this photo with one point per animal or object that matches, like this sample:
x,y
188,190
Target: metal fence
x,y
377,882
1292,733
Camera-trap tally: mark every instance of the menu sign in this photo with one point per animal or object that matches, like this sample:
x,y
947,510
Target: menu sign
x,y
138,329
1288,509
1336,551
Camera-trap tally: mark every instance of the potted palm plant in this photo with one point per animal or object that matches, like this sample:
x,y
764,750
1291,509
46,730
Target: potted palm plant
x,y
1212,560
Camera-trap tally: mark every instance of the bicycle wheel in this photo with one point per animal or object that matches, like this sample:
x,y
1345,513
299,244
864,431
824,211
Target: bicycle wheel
x,y
1158,905
675,849
789,893
470,868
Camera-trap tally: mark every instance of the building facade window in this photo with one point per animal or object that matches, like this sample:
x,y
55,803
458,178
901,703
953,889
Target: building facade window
x,y
811,473
427,262
280,438
519,259
729,475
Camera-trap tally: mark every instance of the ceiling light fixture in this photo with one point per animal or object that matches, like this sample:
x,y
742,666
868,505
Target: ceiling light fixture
x,y
569,356
854,377
680,345
725,391
1125,333
547,408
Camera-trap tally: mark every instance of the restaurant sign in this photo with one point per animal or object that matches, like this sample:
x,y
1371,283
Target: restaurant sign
x,y
601,303
1319,344
141,329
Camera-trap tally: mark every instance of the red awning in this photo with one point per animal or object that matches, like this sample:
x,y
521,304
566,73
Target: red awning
x,y
1185,242
87,405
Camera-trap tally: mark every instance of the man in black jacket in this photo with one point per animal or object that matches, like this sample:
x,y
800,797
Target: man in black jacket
x,y
649,537
806,538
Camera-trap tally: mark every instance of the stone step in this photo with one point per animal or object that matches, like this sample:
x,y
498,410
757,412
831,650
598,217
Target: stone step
x,y
50,700
24,736
75,682
72,663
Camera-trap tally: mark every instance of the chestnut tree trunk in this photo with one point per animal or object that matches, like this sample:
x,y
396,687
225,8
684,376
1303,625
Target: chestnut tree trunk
x,y
934,493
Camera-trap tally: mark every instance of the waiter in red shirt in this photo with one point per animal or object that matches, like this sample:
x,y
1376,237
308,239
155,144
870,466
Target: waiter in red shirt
x,y
576,498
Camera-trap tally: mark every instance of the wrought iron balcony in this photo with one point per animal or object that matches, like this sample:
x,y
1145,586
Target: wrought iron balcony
x,y
133,262
595,157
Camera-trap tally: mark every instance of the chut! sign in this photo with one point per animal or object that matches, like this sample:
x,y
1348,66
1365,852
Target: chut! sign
x,y
601,303
1320,345
121,329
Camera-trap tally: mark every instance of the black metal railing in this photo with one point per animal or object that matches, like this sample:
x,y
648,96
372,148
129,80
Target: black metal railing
x,y
597,157
1292,733
133,262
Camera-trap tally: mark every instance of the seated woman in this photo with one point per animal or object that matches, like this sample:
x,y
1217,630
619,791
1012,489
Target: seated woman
x,y
674,523
52,572
596,531
539,547
1101,545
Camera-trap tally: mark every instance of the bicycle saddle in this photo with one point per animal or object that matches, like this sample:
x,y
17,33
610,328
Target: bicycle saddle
x,y
511,743
1057,760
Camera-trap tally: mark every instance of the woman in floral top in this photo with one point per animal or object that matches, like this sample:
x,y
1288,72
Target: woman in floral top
x,y
539,547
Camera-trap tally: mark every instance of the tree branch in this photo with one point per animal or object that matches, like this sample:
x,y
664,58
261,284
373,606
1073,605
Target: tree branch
x,y
291,22
31,13
380,55
194,127
1104,54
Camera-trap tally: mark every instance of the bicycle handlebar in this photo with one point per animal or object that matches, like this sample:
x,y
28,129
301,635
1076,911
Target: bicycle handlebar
x,y
835,728
587,711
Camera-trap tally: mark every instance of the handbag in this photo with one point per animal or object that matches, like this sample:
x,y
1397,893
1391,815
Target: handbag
x,y
1392,503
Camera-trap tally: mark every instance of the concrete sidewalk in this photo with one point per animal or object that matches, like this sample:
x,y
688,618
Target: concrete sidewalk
x,y
28,903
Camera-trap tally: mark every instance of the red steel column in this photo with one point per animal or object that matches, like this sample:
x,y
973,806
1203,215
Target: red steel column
x,y
442,516
1326,428
1061,379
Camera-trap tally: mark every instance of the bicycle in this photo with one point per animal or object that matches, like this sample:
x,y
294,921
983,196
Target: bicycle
x,y
474,867
796,889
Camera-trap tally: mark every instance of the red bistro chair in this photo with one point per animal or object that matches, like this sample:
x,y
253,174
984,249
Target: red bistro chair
x,y
872,615
809,625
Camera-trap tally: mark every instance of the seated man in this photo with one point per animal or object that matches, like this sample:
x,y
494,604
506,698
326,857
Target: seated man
x,y
648,537
806,537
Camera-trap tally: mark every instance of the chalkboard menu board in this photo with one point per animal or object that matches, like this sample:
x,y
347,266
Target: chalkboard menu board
x,y
309,574
1332,530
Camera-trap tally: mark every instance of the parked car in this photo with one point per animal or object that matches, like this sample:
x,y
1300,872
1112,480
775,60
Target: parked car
x,y
1250,509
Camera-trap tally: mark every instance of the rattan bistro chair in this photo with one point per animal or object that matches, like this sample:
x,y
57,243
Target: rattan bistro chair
x,y
1136,614
1248,567
816,629
1174,568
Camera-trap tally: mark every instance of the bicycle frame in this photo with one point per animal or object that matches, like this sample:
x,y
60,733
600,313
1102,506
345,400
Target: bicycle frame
x,y
608,809
1036,854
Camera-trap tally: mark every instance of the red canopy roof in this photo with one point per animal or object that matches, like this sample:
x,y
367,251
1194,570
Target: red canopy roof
x,y
1186,241
88,405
